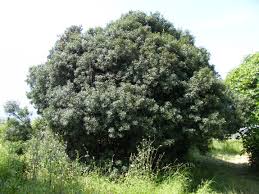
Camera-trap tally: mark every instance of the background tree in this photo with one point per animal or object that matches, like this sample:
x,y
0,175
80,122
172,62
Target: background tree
x,y
244,81
108,88
18,122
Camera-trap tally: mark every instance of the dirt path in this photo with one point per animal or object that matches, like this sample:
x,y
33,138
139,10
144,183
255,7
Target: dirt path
x,y
229,173
236,159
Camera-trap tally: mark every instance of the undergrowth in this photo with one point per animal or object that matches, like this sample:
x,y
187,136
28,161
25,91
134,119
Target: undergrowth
x,y
44,167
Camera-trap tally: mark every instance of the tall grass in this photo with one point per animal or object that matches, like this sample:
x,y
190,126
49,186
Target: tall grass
x,y
143,176
48,164
230,147
45,168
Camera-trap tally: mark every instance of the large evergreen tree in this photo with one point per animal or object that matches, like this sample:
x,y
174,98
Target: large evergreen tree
x,y
139,77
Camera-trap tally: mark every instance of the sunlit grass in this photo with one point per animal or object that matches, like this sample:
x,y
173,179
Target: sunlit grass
x,y
226,147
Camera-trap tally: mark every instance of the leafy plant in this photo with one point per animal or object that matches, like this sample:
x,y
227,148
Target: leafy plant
x,y
244,81
48,163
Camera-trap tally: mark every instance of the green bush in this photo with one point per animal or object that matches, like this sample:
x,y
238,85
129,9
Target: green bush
x,y
48,163
44,167
251,144
11,166
139,77
244,81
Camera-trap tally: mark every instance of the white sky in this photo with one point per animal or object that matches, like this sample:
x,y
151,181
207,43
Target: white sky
x,y
228,29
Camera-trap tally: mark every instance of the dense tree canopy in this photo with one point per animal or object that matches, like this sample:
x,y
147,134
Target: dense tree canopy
x,y
106,89
244,81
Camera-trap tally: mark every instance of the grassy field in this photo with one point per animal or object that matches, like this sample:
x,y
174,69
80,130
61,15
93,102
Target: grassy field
x,y
49,170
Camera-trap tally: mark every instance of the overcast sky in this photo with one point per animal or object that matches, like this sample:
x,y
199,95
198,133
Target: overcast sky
x,y
28,29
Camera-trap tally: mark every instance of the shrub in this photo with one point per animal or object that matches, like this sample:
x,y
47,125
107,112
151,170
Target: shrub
x,y
251,144
48,163
139,77
11,166
244,81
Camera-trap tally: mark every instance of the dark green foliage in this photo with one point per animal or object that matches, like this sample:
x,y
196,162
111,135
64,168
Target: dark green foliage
x,y
244,81
18,125
108,88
